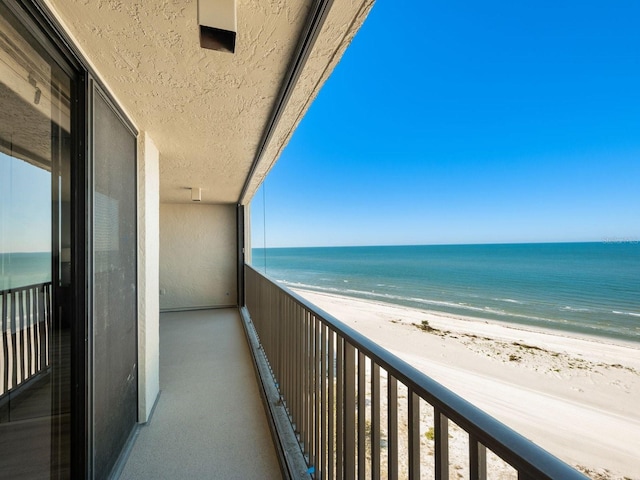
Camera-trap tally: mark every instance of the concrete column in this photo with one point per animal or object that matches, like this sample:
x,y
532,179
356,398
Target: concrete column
x,y
148,275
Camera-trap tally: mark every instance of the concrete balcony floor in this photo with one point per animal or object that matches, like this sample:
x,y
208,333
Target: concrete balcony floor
x,y
209,422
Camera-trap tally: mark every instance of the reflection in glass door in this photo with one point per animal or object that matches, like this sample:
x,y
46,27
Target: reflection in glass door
x,y
35,258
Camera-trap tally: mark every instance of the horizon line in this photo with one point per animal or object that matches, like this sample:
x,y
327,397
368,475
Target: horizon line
x,y
612,240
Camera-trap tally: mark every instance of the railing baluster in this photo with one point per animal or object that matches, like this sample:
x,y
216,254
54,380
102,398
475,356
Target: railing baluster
x,y
331,406
392,417
441,438
14,340
317,392
340,408
22,337
361,415
284,383
375,420
322,464
477,459
48,323
22,344
291,389
42,327
29,331
311,388
274,324
305,380
349,411
308,424
283,380
414,433
294,402
4,328
298,388
299,365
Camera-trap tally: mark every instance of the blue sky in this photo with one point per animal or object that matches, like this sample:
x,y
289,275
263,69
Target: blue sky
x,y
468,122
25,207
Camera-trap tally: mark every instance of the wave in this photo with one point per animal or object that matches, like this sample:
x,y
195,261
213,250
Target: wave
x,y
481,312
507,300
574,309
424,301
630,314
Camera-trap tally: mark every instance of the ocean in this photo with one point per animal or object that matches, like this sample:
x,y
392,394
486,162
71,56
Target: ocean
x,y
587,288
22,269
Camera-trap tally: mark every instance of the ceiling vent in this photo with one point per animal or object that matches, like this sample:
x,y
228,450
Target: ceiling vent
x,y
218,24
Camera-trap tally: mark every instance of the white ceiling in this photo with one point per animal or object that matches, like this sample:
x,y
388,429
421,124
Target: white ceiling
x,y
206,111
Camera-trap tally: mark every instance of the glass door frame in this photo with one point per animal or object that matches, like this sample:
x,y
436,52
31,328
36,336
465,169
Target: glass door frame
x,y
35,16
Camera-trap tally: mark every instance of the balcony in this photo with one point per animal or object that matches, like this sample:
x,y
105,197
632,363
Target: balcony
x,y
209,420
360,411
338,405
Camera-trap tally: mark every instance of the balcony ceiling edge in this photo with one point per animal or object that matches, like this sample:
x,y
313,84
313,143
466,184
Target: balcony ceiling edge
x,y
336,31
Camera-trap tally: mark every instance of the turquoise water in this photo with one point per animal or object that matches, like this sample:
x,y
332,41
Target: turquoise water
x,y
591,288
22,269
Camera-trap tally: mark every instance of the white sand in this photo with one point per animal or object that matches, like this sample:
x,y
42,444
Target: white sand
x,y
578,397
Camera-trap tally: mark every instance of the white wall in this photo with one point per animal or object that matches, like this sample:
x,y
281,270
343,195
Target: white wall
x,y
148,275
197,256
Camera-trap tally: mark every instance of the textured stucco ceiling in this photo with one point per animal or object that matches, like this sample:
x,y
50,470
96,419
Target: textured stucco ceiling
x,y
206,111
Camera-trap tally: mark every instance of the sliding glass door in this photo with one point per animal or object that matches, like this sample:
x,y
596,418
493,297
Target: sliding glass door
x,y
36,308
68,268
115,371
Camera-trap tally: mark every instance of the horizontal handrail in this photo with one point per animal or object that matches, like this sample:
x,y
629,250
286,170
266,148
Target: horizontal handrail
x,y
25,328
530,460
22,288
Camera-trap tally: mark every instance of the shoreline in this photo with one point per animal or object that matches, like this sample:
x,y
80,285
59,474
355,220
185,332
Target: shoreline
x,y
574,395
594,337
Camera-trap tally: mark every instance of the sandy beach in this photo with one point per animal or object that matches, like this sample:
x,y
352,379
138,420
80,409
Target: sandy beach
x,y
576,396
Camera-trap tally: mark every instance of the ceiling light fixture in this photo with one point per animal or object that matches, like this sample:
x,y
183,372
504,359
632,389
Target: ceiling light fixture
x,y
218,25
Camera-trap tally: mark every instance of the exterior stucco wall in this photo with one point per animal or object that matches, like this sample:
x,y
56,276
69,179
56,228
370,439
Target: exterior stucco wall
x,y
197,256
148,275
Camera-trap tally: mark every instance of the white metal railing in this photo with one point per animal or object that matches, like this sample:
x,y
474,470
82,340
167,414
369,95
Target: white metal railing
x,y
25,315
